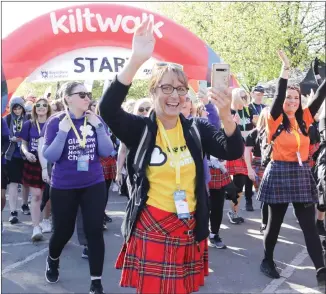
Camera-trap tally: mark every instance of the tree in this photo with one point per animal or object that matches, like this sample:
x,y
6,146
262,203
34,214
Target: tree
x,y
247,34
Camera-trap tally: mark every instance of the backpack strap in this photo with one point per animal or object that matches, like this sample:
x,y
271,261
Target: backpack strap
x,y
194,131
277,133
141,151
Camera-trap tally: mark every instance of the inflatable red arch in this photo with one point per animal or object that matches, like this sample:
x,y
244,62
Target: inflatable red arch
x,y
92,25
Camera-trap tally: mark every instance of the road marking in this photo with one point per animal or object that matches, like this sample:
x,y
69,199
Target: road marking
x,y
287,272
25,243
13,266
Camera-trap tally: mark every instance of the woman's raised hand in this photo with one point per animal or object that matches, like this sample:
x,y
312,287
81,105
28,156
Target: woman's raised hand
x,y
143,42
284,58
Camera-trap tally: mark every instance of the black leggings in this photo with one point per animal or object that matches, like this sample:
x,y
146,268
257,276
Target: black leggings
x,y
65,205
264,213
306,217
216,209
248,188
107,185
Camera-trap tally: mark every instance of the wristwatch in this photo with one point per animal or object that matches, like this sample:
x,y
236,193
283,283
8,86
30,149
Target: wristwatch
x,y
100,125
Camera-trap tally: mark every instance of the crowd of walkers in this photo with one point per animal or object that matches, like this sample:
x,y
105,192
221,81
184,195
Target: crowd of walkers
x,y
176,159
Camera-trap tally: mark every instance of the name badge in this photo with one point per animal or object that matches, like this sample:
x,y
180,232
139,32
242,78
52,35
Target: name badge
x,y
83,162
181,204
299,158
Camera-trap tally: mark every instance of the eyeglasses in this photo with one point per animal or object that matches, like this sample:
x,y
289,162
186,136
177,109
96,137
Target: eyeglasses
x,y
176,65
142,109
40,105
82,95
168,89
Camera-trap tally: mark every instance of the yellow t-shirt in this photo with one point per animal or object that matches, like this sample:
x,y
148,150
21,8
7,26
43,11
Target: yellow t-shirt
x,y
162,175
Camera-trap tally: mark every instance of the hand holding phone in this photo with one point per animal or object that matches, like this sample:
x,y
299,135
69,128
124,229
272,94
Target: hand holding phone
x,y
220,75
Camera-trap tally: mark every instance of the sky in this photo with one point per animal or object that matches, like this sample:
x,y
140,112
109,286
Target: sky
x,y
13,18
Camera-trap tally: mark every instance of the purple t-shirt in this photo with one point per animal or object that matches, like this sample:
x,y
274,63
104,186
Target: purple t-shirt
x,y
64,172
30,134
4,133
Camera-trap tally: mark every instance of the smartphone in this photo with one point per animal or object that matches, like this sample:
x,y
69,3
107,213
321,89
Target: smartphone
x,y
202,85
220,74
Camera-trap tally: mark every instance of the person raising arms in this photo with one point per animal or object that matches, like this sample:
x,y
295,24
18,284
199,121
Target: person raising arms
x,y
288,178
166,224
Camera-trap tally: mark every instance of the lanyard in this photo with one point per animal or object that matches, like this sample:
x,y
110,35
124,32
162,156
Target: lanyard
x,y
18,125
253,105
297,136
38,128
82,143
243,122
167,143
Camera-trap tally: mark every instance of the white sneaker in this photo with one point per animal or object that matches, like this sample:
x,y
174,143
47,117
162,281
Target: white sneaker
x,y
46,226
37,234
115,187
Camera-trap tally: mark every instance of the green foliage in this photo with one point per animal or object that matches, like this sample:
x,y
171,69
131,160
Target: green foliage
x,y
139,89
247,34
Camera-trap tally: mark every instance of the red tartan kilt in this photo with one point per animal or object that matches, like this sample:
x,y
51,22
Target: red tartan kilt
x,y
109,165
259,170
218,179
32,175
312,149
236,167
160,257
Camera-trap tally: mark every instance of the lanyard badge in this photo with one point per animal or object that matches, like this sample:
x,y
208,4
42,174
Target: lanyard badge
x,y
180,198
83,158
297,137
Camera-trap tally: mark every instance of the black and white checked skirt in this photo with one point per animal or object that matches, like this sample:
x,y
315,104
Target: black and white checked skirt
x,y
287,182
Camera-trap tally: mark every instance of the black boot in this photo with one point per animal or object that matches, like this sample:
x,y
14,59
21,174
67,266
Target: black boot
x,y
249,205
268,268
96,287
321,228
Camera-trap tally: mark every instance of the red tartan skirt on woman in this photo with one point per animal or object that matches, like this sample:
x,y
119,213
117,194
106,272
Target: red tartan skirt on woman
x,y
236,167
160,257
32,175
109,165
218,179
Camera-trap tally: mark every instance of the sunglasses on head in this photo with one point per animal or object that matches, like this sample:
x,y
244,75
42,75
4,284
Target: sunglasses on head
x,y
170,64
41,104
83,95
142,109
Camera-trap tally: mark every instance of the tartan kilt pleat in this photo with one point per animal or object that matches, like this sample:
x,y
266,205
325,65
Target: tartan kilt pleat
x,y
236,167
218,179
32,175
109,165
312,149
160,257
259,170
287,182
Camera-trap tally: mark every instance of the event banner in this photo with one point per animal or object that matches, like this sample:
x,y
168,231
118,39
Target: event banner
x,y
93,63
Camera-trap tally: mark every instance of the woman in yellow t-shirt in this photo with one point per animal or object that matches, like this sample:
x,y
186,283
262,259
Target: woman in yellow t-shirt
x,y
287,178
166,224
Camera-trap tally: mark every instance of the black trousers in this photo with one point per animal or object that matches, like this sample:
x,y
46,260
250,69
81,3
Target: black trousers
x,y
216,209
65,205
305,213
264,213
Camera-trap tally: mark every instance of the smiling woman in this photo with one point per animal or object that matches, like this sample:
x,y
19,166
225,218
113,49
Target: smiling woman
x,y
165,229
32,172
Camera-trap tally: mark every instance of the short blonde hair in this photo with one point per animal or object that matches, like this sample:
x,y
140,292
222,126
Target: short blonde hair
x,y
159,71
129,105
236,98
140,102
